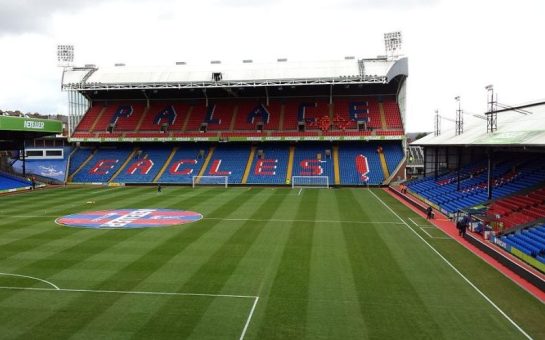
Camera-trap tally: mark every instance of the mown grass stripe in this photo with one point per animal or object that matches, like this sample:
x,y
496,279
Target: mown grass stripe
x,y
384,283
333,309
225,261
455,270
135,272
41,200
256,272
342,277
291,283
38,232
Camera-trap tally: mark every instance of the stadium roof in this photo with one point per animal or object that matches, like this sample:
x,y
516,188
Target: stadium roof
x,y
14,130
514,129
283,72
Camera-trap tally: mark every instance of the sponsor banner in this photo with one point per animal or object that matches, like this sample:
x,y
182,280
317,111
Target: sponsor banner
x,y
528,259
499,242
30,124
238,139
129,218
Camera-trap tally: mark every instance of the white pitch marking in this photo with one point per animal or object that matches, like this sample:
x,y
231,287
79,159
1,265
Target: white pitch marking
x,y
428,227
455,269
299,193
32,278
103,190
243,219
129,292
27,216
314,221
249,318
246,325
435,237
425,232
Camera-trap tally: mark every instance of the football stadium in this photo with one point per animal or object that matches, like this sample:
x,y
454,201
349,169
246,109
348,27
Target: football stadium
x,y
268,201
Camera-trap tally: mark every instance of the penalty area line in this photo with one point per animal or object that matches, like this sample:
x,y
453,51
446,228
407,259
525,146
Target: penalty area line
x,y
57,289
128,292
249,318
511,321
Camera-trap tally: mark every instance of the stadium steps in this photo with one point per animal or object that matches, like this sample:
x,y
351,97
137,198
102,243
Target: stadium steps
x,y
382,118
290,164
383,164
234,119
83,164
249,165
144,114
281,122
187,118
122,167
396,171
165,166
207,160
336,165
99,116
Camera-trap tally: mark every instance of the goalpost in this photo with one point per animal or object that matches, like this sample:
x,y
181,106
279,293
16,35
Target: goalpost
x,y
309,182
210,180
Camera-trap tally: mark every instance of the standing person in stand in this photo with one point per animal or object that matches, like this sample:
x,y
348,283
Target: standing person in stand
x,y
429,213
463,226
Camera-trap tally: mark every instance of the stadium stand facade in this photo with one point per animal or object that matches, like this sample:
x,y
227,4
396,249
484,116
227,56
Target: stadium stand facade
x,y
340,119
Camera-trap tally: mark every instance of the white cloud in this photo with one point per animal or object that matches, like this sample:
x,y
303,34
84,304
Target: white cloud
x,y
454,47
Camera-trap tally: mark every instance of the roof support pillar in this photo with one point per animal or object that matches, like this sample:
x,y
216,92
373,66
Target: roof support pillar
x,y
205,97
458,166
436,165
147,98
490,157
24,158
330,94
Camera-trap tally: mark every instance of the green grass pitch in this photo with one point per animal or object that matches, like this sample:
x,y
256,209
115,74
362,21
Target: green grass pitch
x,y
264,263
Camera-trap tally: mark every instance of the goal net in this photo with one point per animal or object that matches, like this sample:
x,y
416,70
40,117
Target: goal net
x,y
310,182
210,180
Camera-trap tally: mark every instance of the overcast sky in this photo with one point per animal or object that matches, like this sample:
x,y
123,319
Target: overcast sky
x,y
455,47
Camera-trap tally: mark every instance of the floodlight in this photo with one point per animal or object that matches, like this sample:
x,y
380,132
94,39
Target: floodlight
x,y
489,87
392,41
65,54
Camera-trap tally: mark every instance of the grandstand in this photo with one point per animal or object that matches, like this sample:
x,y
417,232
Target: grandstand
x,y
259,262
15,170
255,123
497,176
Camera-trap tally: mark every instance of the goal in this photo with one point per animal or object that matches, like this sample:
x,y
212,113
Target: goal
x,y
210,180
309,182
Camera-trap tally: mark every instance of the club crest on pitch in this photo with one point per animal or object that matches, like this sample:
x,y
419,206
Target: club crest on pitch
x,y
129,218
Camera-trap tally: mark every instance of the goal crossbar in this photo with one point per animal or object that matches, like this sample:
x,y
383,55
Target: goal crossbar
x,y
310,182
210,180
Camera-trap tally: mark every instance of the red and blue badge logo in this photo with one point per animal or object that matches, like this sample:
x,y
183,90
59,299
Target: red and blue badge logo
x,y
129,218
